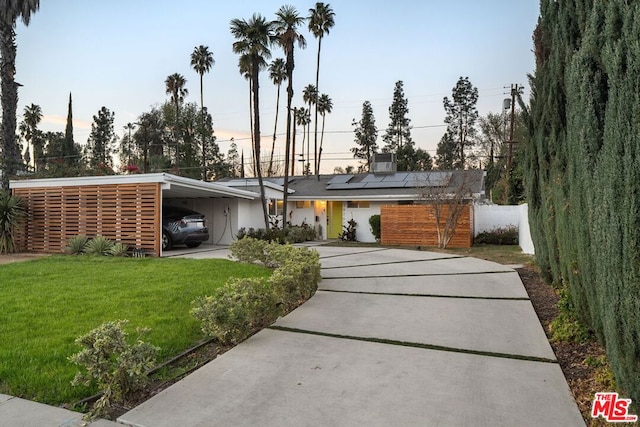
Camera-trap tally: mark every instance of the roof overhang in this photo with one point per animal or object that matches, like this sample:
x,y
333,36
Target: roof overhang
x,y
172,186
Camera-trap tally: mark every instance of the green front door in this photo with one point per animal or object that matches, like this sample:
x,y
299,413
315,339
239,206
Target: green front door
x,y
334,219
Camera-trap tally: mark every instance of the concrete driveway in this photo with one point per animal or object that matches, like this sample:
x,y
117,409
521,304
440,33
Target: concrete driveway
x,y
392,337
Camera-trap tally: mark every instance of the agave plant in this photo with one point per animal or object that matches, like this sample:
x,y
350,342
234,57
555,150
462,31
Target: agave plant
x,y
11,213
99,245
76,245
119,250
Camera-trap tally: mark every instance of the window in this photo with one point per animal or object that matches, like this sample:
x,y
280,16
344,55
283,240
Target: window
x,y
275,208
304,204
358,204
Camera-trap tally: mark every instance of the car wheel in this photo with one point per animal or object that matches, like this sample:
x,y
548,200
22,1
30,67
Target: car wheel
x,y
193,244
166,241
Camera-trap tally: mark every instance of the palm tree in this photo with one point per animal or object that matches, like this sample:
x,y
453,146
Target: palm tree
x,y
278,74
9,14
202,61
287,35
253,39
303,118
175,87
244,67
310,96
321,20
29,130
325,105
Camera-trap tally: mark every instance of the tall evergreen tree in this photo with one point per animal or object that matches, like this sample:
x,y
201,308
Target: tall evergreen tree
x,y
397,137
10,12
325,106
447,154
366,136
101,142
70,150
461,116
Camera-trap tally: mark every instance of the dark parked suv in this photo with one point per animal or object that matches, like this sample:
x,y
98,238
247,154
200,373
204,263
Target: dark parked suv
x,y
181,226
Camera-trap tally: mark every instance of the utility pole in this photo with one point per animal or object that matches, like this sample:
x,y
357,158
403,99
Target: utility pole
x,y
515,90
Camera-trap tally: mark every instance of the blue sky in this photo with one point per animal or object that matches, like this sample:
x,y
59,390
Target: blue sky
x,y
118,53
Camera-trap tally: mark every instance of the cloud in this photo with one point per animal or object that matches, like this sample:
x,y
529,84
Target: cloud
x,y
62,120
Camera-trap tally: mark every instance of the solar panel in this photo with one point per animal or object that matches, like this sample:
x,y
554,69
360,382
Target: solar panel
x,y
346,186
373,178
340,179
396,177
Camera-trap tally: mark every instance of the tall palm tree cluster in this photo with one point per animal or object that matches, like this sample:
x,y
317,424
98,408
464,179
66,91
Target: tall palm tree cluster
x,y
254,39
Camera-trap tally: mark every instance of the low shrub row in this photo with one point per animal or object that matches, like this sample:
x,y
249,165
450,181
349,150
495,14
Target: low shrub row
x,y
290,234
498,236
242,306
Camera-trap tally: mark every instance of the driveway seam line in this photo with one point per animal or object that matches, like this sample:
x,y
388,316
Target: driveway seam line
x,y
391,262
354,253
416,345
425,295
420,275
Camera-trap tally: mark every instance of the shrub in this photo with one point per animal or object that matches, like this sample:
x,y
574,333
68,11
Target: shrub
x,y
249,250
498,236
11,214
117,367
374,222
99,245
349,232
76,245
291,234
235,310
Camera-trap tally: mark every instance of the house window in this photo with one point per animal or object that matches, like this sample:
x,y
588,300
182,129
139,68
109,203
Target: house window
x,y
304,204
358,204
275,208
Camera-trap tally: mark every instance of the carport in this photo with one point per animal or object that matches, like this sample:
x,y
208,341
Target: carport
x,y
124,208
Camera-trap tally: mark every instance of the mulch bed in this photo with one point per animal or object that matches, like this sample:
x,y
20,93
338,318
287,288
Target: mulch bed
x,y
582,378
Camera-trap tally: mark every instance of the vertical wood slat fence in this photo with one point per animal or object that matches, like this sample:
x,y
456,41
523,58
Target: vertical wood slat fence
x,y
415,225
127,213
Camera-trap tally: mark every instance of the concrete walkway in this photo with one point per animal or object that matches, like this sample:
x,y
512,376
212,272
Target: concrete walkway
x,y
392,337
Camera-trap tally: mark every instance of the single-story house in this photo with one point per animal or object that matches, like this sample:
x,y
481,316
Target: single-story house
x,y
127,208
329,202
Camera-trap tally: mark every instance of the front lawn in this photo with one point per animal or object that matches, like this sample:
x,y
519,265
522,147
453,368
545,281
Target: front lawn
x,y
47,303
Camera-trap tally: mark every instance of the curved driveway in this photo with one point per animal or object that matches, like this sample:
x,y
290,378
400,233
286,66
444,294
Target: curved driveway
x,y
392,338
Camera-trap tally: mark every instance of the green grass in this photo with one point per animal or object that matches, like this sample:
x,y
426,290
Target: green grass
x,y
47,303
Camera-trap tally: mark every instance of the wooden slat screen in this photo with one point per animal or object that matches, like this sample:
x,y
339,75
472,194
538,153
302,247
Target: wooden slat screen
x,y
127,213
415,225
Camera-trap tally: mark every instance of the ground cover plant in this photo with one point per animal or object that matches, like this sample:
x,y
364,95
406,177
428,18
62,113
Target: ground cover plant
x,y
48,303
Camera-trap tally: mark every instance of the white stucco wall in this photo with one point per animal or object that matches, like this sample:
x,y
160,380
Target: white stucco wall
x,y
524,237
490,217
361,216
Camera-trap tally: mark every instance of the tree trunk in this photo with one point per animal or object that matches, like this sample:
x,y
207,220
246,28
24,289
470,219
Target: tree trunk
x,y
204,142
316,161
275,129
256,137
9,100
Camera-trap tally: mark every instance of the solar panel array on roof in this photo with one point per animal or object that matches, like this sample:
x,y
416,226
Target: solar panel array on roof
x,y
340,179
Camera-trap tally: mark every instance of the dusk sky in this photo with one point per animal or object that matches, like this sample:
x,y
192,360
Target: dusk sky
x,y
118,54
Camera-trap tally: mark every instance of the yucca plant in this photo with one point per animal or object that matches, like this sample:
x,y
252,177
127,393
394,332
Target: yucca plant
x,y
11,213
119,249
76,245
99,245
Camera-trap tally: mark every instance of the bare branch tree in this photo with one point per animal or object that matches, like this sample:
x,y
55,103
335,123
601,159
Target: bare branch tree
x,y
449,194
